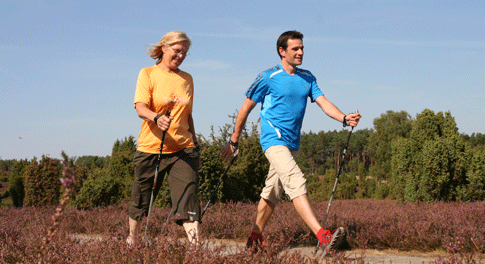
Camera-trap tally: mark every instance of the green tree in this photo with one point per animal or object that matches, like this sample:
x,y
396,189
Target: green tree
x,y
80,172
42,182
367,187
389,127
212,167
430,165
383,191
92,162
245,179
6,165
121,165
347,186
311,155
107,185
16,180
99,190
476,175
476,139
320,187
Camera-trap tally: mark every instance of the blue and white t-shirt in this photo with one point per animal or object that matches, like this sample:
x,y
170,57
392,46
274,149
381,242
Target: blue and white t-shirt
x,y
284,98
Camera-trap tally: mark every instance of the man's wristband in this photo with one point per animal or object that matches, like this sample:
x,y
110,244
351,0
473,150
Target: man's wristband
x,y
233,144
156,118
345,122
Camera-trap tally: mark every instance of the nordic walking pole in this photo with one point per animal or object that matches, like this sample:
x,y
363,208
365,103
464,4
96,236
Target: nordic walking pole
x,y
220,181
156,176
336,178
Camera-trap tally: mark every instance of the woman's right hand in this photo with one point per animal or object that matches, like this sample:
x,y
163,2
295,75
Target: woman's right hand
x,y
164,121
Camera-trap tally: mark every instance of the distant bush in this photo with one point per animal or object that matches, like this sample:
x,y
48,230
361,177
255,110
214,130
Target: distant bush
x,y
367,187
92,162
382,191
42,182
99,190
475,189
121,167
16,181
245,179
106,185
431,164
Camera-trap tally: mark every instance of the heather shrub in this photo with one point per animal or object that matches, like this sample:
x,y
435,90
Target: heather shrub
x,y
98,234
422,227
41,179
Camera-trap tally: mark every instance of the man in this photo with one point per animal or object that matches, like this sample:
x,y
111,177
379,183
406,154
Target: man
x,y
283,91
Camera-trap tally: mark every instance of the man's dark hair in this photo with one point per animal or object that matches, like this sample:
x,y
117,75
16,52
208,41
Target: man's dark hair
x,y
283,39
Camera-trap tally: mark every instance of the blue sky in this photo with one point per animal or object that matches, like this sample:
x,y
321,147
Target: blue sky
x,y
68,69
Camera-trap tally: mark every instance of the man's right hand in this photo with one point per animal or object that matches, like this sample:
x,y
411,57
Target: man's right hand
x,y
228,150
353,119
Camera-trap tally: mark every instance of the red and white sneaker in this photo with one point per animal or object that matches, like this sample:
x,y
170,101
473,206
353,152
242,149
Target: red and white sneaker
x,y
332,240
255,244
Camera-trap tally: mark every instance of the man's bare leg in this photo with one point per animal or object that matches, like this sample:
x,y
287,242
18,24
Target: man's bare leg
x,y
265,210
304,209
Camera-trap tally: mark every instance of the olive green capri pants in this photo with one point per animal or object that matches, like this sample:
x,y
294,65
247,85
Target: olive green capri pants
x,y
181,170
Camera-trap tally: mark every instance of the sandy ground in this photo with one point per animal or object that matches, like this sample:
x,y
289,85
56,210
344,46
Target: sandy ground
x,y
374,256
368,256
354,256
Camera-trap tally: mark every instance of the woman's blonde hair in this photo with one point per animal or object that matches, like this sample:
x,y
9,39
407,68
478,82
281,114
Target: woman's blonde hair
x,y
172,37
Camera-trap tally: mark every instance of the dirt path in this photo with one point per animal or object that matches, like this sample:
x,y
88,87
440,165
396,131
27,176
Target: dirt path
x,y
355,256
368,256
374,256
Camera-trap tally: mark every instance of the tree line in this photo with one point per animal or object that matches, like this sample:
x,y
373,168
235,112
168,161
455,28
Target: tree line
x,y
421,159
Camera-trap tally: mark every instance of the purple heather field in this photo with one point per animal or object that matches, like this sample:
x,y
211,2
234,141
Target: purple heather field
x,y
457,229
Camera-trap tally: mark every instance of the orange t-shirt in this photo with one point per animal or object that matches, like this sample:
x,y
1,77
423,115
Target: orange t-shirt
x,y
161,90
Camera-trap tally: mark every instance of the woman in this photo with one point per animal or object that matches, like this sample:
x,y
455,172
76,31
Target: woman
x,y
160,89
